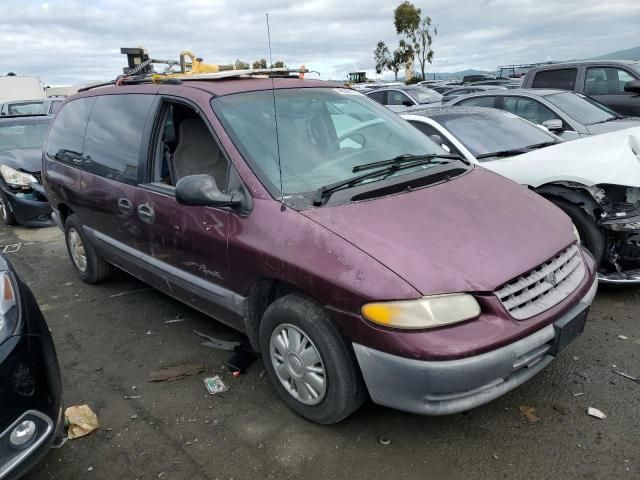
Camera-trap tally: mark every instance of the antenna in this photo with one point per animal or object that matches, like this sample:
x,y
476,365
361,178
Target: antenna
x,y
275,117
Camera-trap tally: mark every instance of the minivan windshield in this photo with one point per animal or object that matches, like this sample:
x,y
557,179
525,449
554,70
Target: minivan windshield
x,y
323,133
583,109
491,133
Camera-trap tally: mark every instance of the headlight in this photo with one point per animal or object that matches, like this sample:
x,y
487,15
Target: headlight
x,y
15,178
576,233
427,312
8,307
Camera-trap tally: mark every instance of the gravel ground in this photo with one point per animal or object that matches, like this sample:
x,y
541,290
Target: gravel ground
x,y
108,343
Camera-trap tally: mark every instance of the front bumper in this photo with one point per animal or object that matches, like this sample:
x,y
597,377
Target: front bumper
x,y
453,386
30,209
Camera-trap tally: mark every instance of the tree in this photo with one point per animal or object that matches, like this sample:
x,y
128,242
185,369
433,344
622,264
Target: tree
x,y
240,65
262,63
381,56
406,18
422,44
400,57
278,64
409,22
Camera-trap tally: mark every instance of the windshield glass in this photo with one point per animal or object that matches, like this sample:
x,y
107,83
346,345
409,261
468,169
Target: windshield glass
x,y
22,135
25,108
582,109
323,133
493,131
424,95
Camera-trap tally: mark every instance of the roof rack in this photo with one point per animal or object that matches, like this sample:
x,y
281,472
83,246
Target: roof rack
x,y
140,70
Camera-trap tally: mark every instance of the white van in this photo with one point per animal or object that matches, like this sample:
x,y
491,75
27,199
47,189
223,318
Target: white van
x,y
21,88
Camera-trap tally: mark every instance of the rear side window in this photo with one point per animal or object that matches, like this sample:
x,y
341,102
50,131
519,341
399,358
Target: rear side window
x,y
114,134
564,79
64,143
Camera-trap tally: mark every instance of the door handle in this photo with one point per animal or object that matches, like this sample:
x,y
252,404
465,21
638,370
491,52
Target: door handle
x,y
125,206
146,213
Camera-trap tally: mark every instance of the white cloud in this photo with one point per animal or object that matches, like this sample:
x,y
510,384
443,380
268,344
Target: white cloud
x,y
70,41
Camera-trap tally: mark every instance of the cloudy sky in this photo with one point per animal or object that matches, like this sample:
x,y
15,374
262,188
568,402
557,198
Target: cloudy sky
x,y
70,41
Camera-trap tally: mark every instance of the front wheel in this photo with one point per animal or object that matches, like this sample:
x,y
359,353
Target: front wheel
x,y
308,360
590,234
5,211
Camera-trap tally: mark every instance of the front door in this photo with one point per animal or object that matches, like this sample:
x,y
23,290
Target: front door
x,y
187,245
606,85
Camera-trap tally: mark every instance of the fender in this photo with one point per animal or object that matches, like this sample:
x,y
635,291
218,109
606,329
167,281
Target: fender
x,y
577,194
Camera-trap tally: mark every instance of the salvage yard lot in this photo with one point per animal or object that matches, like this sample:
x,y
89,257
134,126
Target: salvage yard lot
x,y
108,343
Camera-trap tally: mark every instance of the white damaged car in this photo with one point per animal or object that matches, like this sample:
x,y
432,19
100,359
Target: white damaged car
x,y
595,180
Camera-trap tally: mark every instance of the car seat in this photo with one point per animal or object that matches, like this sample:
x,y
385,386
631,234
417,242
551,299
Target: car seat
x,y
198,153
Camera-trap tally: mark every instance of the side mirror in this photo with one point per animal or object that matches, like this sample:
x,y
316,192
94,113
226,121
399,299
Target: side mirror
x,y
437,139
407,103
202,190
633,87
553,125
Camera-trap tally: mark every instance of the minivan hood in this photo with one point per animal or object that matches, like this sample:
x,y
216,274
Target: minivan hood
x,y
27,159
473,233
613,125
612,158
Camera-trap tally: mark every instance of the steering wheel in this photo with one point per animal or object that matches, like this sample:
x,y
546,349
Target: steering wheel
x,y
356,131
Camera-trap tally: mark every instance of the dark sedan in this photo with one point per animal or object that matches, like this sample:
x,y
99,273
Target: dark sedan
x,y
22,198
30,385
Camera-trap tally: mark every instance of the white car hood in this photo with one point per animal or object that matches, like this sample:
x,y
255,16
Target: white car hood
x,y
611,158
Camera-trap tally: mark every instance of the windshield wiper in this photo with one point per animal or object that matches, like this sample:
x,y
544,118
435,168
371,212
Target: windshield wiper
x,y
516,151
386,168
401,159
610,119
503,153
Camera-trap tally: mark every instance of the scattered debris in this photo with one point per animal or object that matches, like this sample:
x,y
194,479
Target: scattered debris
x,y
622,374
215,385
68,284
558,407
577,394
179,318
241,360
149,332
177,372
134,416
81,421
130,292
132,397
529,412
495,457
90,469
594,412
218,344
623,337
263,373
236,373
384,440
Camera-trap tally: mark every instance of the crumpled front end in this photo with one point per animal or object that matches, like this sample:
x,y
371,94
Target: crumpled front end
x,y
618,214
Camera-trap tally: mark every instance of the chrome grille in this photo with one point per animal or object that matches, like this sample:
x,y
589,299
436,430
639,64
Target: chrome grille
x,y
545,286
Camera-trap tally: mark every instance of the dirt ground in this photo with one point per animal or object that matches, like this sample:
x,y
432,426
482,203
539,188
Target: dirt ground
x,y
108,343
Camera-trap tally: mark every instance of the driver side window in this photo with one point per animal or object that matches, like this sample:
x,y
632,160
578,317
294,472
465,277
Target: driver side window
x,y
187,147
397,98
528,109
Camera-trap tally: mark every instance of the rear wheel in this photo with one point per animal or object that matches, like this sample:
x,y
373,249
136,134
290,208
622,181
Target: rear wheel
x,y
308,361
87,264
590,235
5,211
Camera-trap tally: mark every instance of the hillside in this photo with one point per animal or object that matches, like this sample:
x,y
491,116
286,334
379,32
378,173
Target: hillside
x,y
628,54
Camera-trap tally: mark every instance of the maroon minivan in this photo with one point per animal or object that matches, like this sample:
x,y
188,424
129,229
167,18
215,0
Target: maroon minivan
x,y
360,258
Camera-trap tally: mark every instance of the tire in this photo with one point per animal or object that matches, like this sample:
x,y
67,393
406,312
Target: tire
x,y
95,268
591,236
5,211
344,390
